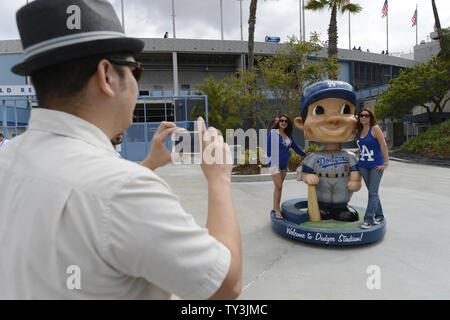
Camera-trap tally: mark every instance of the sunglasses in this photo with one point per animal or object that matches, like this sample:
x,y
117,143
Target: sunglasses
x,y
364,115
137,72
283,121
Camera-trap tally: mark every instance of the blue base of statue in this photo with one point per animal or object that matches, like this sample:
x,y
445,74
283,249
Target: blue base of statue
x,y
296,225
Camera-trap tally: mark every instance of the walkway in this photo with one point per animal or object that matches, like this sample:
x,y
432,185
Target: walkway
x,y
413,257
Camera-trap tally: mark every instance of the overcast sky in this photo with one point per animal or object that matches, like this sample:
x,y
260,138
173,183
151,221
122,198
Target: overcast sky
x,y
200,19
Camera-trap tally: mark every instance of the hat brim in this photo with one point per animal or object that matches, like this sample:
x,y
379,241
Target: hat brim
x,y
80,50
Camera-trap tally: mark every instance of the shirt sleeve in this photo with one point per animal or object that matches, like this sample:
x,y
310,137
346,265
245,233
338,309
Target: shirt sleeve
x,y
149,235
308,163
353,160
297,149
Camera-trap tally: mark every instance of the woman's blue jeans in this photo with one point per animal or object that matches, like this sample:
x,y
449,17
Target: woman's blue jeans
x,y
372,179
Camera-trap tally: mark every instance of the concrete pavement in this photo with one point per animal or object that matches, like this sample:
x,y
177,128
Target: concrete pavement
x,y
413,258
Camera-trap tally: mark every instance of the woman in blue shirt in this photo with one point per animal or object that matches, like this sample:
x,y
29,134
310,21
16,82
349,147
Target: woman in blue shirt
x,y
373,159
280,139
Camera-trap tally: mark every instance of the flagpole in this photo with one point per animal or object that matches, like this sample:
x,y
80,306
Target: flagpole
x,y
387,31
417,26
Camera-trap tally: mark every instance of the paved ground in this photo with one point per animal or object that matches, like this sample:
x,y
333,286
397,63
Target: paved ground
x,y
413,257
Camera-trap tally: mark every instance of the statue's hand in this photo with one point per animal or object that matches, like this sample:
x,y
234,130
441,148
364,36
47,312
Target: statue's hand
x,y
310,178
353,185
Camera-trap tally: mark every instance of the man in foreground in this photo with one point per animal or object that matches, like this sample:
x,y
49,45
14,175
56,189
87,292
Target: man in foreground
x,y
76,221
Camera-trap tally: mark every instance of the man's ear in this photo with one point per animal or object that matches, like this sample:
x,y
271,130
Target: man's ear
x,y
298,122
105,76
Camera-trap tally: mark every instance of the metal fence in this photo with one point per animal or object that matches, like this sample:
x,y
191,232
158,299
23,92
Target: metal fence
x,y
413,129
15,112
151,111
14,115
137,139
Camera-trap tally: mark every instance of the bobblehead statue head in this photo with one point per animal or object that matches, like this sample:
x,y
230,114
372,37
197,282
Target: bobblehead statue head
x,y
328,116
328,112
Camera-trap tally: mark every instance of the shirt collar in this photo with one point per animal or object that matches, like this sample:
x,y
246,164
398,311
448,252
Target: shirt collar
x,y
66,124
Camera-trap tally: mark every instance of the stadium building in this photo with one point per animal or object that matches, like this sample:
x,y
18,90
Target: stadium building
x,y
172,68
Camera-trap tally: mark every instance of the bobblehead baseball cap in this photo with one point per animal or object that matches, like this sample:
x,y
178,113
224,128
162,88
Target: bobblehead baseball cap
x,y
326,89
56,31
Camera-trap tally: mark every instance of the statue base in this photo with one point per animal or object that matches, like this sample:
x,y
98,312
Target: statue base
x,y
296,225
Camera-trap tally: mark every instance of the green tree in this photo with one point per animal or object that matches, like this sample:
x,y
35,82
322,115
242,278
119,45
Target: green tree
x,y
288,72
444,41
417,86
223,111
334,6
246,92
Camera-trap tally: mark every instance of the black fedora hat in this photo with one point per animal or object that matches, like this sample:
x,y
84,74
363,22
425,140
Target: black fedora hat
x,y
56,31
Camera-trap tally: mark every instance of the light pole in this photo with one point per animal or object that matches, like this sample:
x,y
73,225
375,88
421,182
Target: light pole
x,y
221,20
173,18
123,17
300,18
303,20
242,33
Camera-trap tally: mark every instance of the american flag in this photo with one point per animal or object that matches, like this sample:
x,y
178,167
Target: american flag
x,y
346,3
414,18
384,11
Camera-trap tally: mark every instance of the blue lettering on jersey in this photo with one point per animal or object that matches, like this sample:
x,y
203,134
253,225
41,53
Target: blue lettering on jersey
x,y
333,161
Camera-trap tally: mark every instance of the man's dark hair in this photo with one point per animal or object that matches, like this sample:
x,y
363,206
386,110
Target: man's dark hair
x,y
1,135
67,80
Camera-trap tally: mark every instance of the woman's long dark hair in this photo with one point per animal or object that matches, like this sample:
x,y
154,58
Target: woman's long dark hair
x,y
289,128
373,119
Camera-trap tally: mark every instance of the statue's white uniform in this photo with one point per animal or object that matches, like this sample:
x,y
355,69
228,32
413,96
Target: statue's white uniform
x,y
333,169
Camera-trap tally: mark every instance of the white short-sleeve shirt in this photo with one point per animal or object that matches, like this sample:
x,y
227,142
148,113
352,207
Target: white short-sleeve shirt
x,y
77,222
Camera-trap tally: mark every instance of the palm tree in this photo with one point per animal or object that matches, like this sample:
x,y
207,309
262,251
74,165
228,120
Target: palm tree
x,y
251,40
443,36
436,15
251,33
334,6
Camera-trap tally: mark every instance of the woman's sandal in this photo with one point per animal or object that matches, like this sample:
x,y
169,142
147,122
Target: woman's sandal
x,y
278,216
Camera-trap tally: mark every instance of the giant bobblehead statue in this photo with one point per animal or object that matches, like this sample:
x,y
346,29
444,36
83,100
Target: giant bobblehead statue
x,y
328,116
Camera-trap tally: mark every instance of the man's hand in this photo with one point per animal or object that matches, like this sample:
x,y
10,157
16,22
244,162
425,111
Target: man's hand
x,y
159,155
310,178
222,222
216,155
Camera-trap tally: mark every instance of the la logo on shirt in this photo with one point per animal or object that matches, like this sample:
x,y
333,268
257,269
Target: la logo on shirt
x,y
365,152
